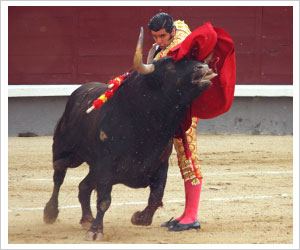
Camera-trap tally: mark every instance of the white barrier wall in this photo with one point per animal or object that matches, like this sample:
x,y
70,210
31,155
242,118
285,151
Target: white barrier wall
x,y
257,109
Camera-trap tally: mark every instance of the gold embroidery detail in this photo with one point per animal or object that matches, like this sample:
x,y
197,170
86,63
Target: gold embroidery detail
x,y
186,170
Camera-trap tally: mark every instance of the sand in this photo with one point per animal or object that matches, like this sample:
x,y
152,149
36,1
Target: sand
x,y
247,196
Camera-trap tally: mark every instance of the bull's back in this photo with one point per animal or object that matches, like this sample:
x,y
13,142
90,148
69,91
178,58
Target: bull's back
x,y
83,97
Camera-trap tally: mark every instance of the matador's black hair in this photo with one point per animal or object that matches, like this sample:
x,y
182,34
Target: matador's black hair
x,y
161,21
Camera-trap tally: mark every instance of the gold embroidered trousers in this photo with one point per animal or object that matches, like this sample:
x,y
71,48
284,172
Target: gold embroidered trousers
x,y
187,171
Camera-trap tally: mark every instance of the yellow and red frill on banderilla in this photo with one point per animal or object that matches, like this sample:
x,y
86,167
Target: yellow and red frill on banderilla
x,y
113,86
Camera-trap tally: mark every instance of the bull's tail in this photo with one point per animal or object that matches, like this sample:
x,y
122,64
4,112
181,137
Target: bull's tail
x,y
64,154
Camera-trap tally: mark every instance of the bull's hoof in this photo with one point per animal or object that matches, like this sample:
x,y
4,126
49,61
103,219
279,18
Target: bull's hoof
x,y
50,213
94,236
139,219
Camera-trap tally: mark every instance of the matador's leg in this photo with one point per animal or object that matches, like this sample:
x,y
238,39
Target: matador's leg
x,y
191,175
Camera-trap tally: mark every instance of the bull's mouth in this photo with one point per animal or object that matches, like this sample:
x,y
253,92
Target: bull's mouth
x,y
203,77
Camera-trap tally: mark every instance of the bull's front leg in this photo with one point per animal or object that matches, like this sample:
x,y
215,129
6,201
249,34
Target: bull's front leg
x,y
157,187
103,203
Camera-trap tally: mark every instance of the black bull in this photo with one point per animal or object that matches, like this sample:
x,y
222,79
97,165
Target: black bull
x,y
128,140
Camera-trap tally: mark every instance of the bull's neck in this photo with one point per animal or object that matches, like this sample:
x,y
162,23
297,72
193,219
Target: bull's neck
x,y
156,115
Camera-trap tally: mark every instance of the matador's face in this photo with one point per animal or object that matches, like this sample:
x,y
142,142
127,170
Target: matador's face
x,y
163,38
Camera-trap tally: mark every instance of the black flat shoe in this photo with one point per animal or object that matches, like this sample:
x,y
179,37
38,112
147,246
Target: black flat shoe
x,y
180,227
169,223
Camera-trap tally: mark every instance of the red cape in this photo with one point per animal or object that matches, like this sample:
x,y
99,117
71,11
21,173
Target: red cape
x,y
198,45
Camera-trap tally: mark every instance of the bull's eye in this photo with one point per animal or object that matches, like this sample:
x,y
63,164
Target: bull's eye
x,y
201,67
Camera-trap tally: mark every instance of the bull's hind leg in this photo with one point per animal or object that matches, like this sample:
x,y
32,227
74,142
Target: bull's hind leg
x,y
157,187
60,168
51,208
86,187
103,203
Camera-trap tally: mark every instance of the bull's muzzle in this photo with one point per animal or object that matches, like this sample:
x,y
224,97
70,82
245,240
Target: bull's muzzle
x,y
202,74
138,64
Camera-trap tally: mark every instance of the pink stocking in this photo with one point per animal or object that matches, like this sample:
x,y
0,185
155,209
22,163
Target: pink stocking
x,y
186,201
192,202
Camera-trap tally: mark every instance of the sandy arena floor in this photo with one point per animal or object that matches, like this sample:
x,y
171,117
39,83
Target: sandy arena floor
x,y
247,196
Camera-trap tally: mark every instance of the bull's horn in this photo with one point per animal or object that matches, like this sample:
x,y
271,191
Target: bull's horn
x,y
208,59
138,57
